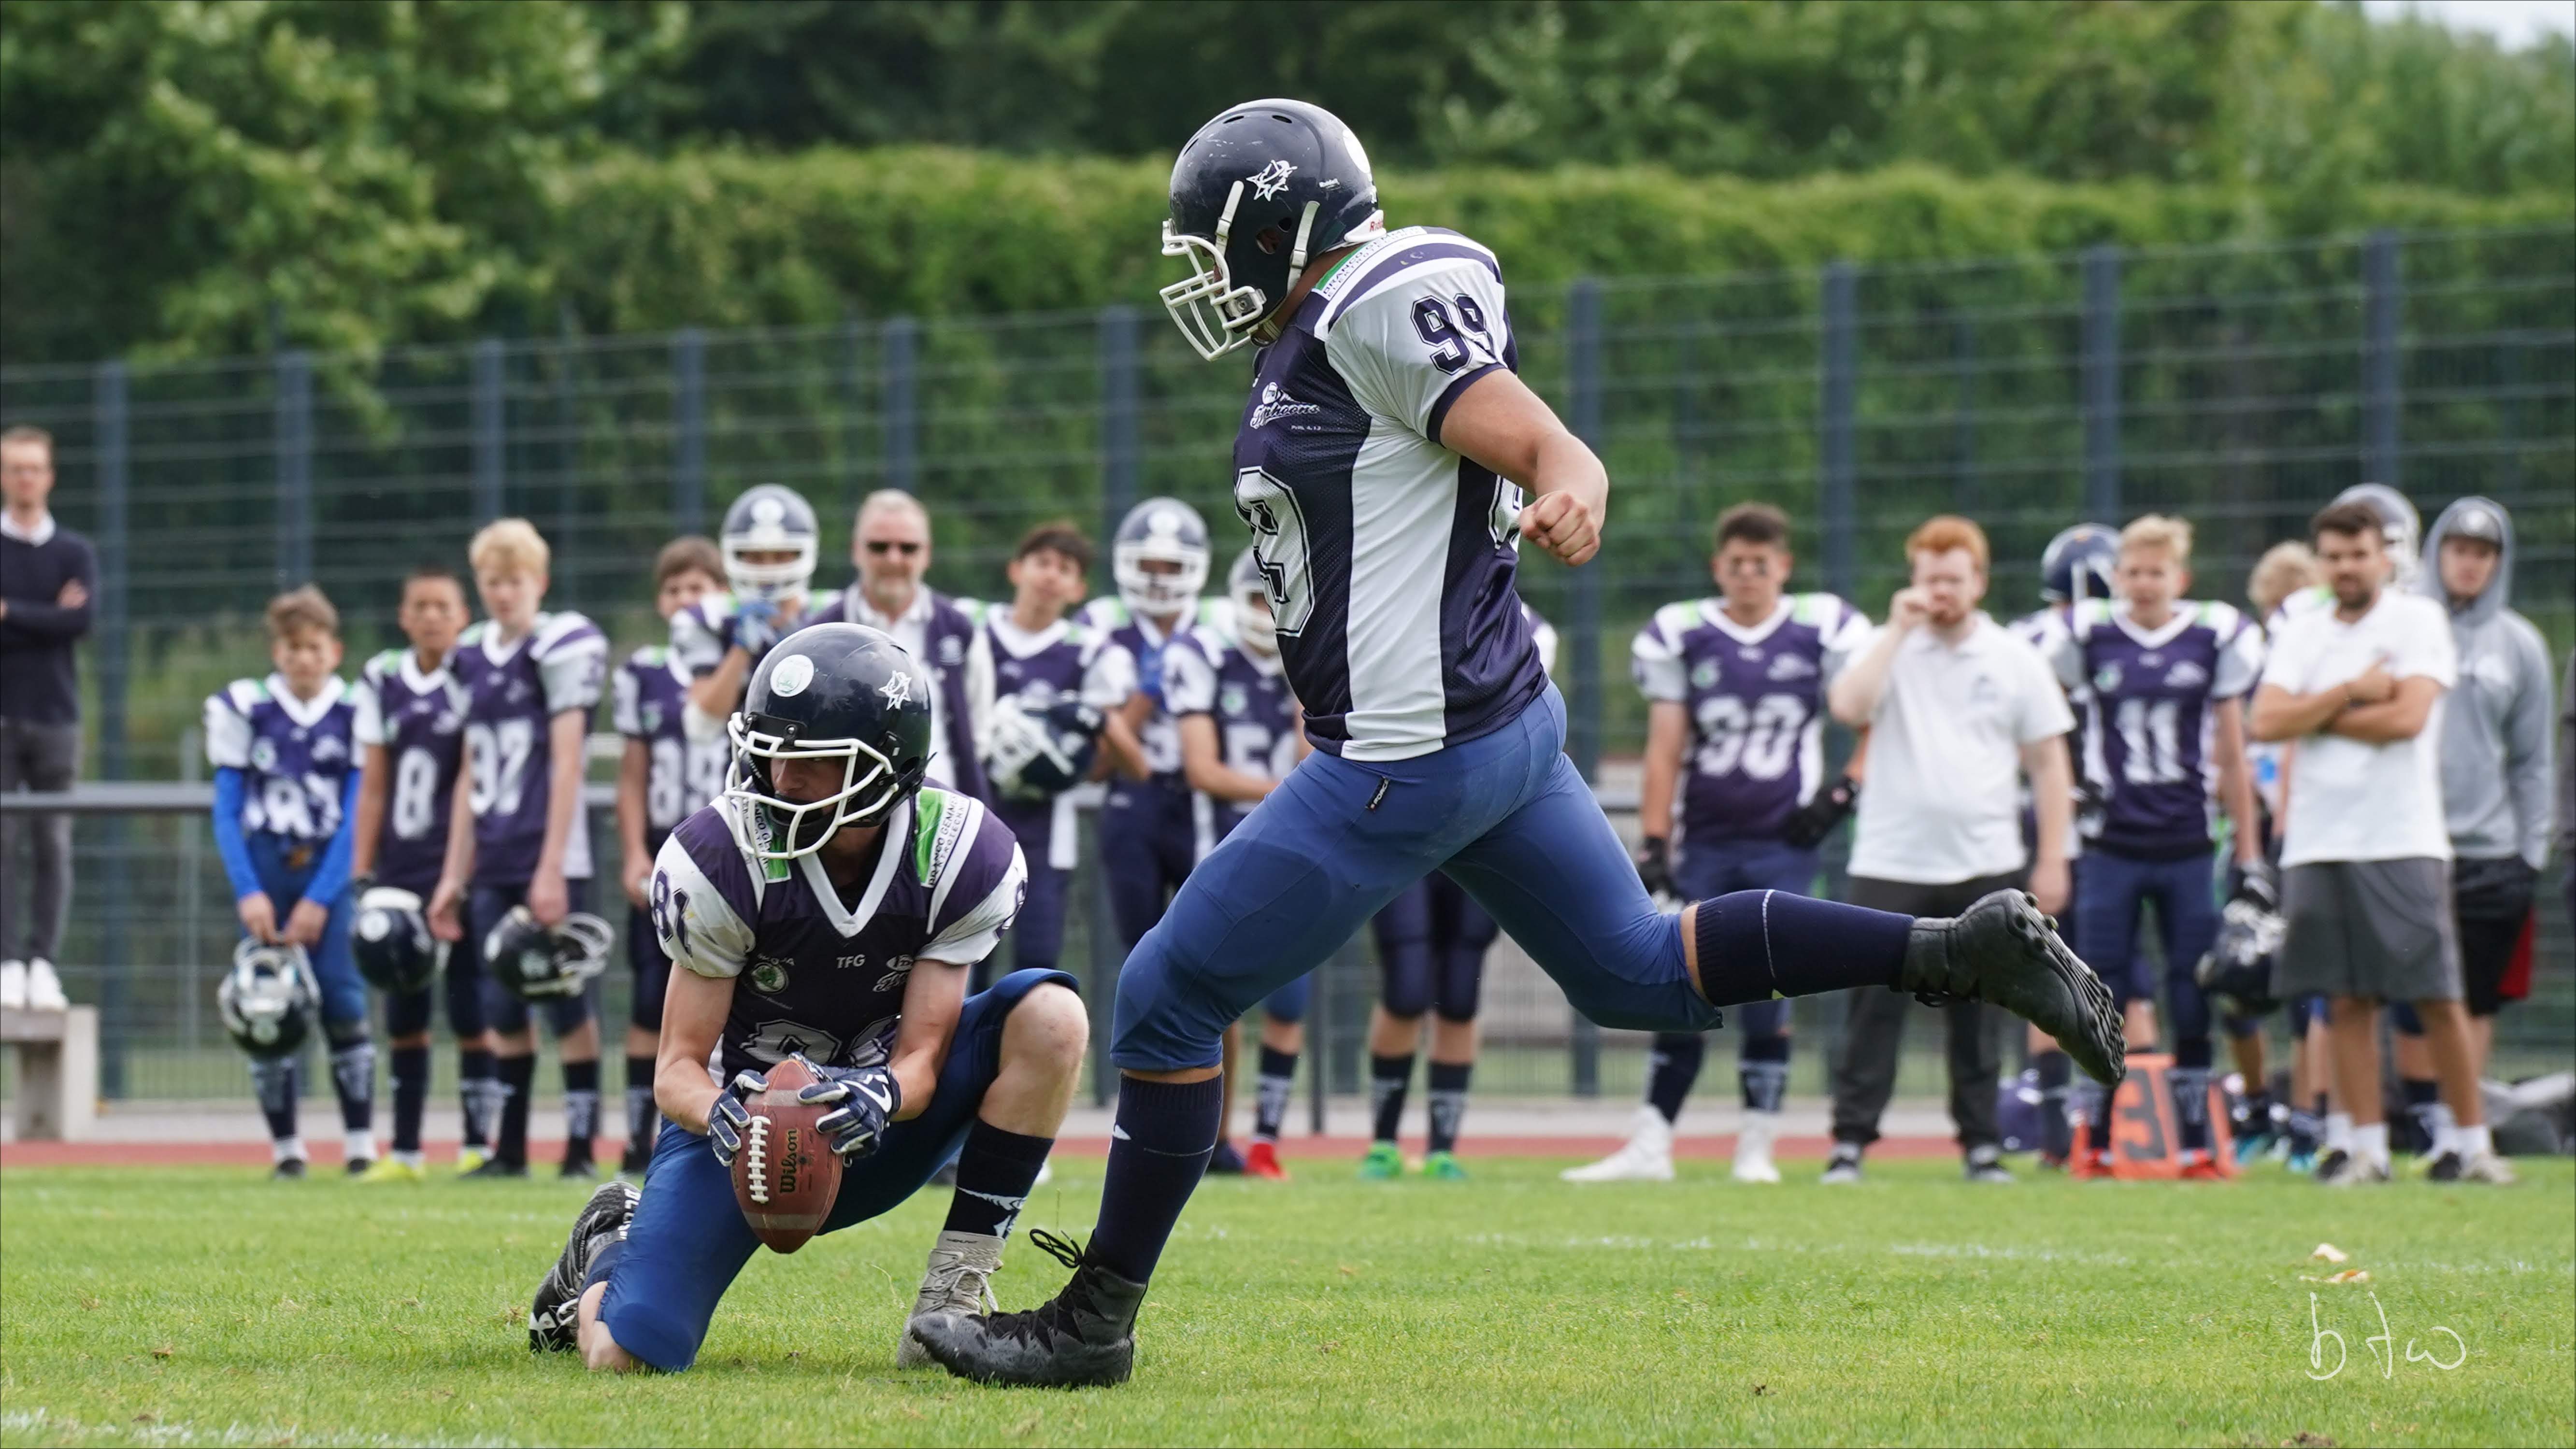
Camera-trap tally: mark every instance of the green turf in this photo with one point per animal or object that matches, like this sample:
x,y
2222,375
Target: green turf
x,y
206,1306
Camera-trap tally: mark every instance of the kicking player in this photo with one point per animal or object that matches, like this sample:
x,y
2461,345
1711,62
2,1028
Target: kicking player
x,y
1153,827
286,786
518,834
1371,466
1735,690
768,541
410,720
2162,681
1431,945
1237,722
665,773
1054,680
827,906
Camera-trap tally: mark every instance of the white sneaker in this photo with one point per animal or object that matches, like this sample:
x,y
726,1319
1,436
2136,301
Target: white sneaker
x,y
1647,1156
13,985
959,1281
2487,1167
1753,1147
1046,1173
44,988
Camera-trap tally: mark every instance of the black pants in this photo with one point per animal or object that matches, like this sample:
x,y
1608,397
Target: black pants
x,y
1864,1063
36,849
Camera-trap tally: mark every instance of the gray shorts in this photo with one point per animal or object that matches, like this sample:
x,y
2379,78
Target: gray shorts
x,y
2373,928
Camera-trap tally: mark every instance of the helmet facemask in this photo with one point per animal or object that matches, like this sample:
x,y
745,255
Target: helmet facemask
x,y
1215,312
773,582
870,784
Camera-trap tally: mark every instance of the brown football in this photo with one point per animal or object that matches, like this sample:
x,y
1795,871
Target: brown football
x,y
785,1177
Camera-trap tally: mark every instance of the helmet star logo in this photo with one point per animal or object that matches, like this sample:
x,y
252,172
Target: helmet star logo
x,y
897,690
1271,179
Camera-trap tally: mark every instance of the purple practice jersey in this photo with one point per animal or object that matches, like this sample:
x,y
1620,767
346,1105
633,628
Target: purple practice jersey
x,y
1067,660
1134,663
513,691
420,720
2146,697
815,973
1756,698
294,754
648,696
1247,696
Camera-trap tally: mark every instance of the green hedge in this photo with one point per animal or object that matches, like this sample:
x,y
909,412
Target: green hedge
x,y
727,238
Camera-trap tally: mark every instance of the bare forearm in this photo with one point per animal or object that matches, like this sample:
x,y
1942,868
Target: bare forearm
x,y
714,693
682,1088
563,788
2052,796
1665,728
1856,691
2281,715
459,865
1228,784
2380,724
374,785
2236,783
632,770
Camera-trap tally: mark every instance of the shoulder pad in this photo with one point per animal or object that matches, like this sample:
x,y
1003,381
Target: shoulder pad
x,y
382,663
246,694
1813,608
474,633
554,631
1679,617
651,656
1107,613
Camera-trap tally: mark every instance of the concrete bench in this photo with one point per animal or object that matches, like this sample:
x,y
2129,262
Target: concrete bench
x,y
57,1072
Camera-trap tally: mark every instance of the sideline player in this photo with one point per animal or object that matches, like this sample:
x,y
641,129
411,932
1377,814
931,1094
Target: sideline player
x,y
286,787
1054,679
2162,681
1371,467
1237,721
1431,945
826,848
890,544
664,774
1735,690
768,541
519,835
410,720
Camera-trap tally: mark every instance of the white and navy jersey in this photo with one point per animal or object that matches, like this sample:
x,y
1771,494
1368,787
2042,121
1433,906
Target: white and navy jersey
x,y
1246,695
649,697
419,719
1132,664
2146,697
1756,698
513,690
1389,558
1069,660
814,973
295,755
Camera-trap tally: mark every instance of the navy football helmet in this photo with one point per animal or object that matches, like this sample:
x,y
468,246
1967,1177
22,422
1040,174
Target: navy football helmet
x,y
2079,564
1160,530
2399,524
390,942
269,999
533,963
838,692
1255,628
770,518
1039,752
1256,194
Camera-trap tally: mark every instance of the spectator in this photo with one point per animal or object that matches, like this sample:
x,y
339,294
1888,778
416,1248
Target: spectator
x,y
2494,750
47,574
1956,706
2366,858
890,543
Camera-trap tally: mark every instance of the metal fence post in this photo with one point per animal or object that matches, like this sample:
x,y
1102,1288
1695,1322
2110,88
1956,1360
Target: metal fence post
x,y
490,421
109,420
2101,365
1118,460
567,454
1840,388
902,410
689,429
2383,307
294,446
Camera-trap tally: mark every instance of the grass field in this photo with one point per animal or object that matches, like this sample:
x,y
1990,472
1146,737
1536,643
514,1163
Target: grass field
x,y
208,1306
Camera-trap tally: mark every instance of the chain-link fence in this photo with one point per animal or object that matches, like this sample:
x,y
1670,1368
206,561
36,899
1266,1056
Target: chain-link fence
x,y
2238,386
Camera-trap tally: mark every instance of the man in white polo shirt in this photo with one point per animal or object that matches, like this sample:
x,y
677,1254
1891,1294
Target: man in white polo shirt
x,y
1957,709
2366,853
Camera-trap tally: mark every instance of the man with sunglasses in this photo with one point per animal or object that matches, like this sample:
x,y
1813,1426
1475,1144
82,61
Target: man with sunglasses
x,y
890,544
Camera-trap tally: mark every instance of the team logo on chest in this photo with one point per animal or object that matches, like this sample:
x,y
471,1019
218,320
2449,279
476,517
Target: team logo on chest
x,y
263,754
1704,674
1276,404
2186,675
768,975
898,970
652,712
1233,700
2107,678
1791,666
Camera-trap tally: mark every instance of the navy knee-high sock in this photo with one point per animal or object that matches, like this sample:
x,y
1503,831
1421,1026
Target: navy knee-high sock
x,y
517,1074
1165,1133
1756,945
1762,1072
2056,1070
1388,1079
411,1096
1672,1069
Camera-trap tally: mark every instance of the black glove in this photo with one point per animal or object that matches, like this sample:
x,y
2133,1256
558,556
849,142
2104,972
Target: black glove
x,y
868,1098
2258,884
1655,866
727,1121
1812,822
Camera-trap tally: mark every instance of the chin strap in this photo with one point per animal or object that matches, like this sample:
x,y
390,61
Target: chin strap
x,y
1305,229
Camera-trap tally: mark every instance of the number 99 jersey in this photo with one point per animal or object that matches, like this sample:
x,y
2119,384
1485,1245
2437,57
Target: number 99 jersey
x,y
1757,704
419,719
1389,559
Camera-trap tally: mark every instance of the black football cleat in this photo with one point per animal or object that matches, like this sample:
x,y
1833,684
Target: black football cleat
x,y
2003,952
554,1319
497,1168
288,1169
1083,1338
639,1156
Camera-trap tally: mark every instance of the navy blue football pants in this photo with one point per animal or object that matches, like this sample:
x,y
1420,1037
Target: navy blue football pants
x,y
1037,933
2110,890
1431,944
485,905
284,868
1504,814
689,1241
